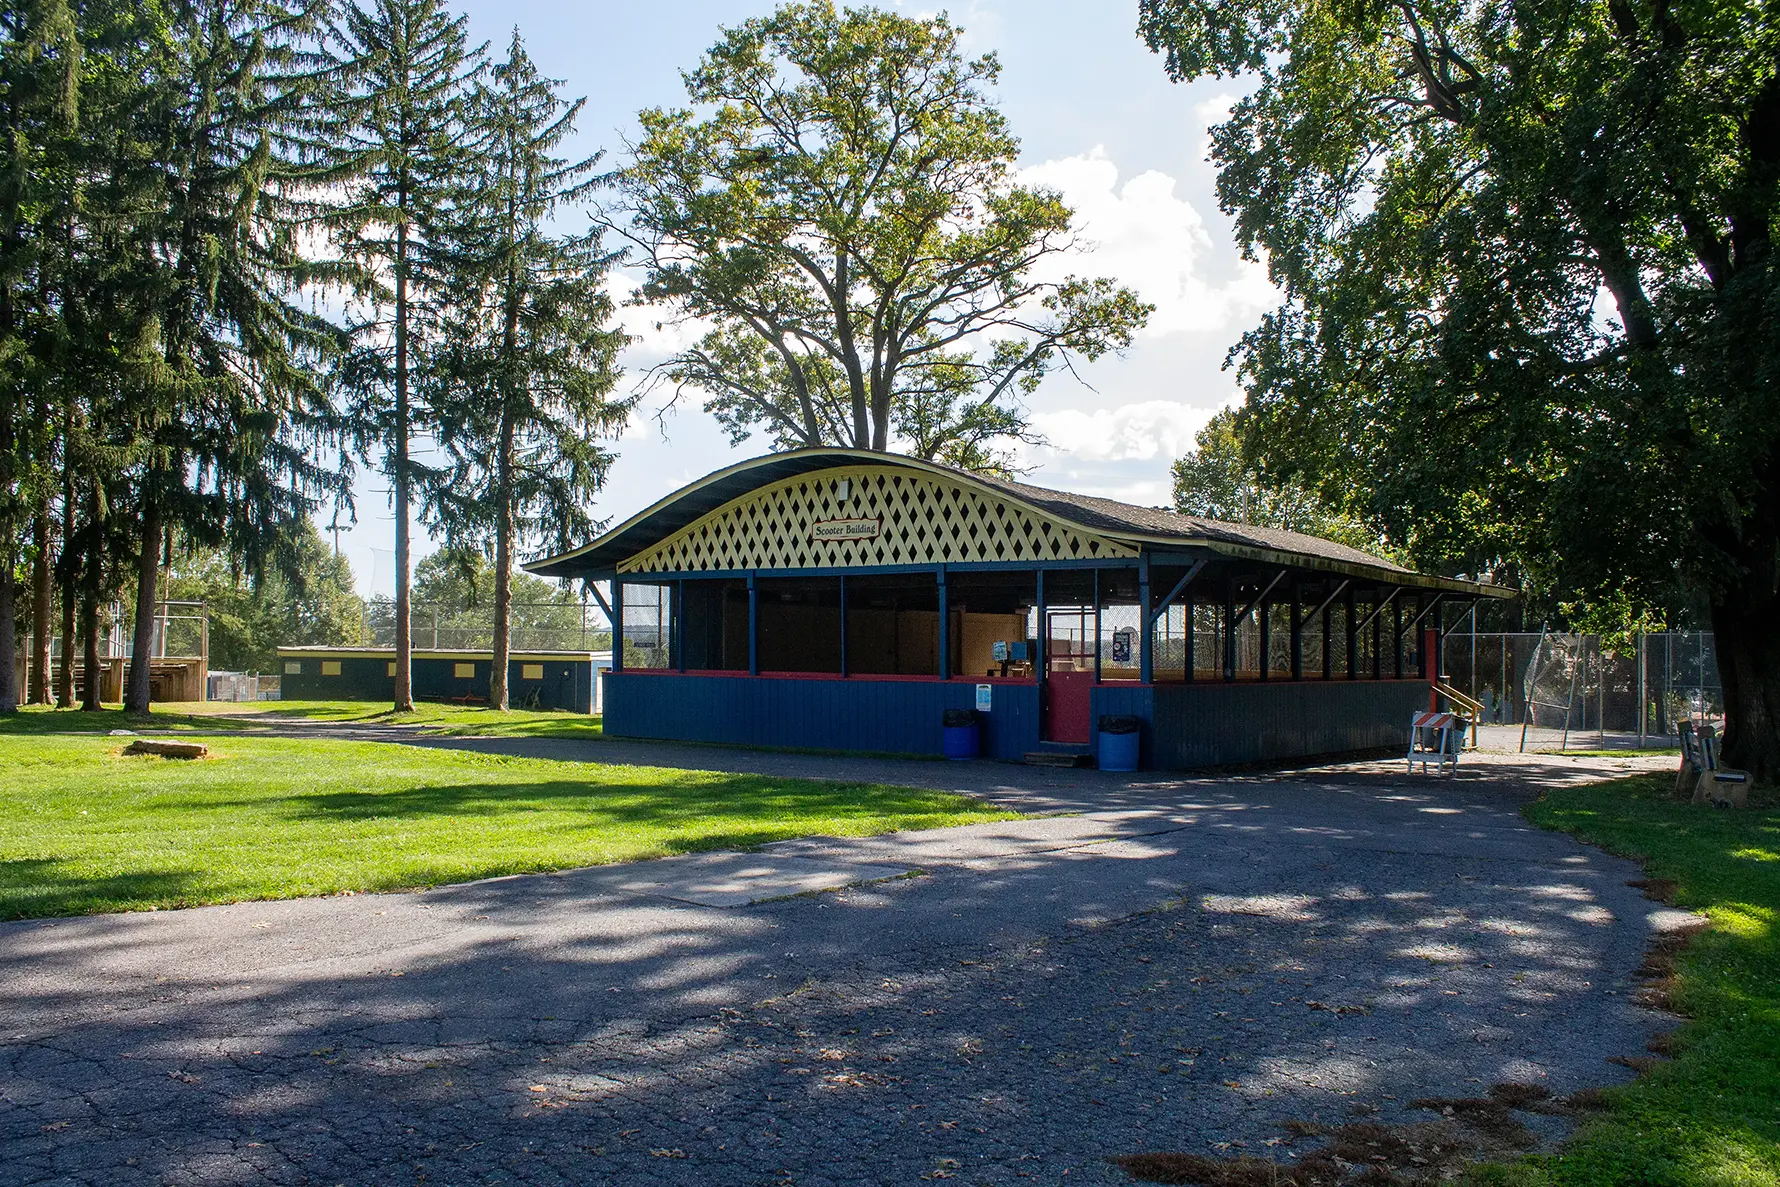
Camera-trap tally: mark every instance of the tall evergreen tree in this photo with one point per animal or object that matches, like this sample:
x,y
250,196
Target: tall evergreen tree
x,y
39,75
523,392
224,398
398,133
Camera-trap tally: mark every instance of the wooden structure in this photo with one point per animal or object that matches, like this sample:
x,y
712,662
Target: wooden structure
x,y
840,599
177,671
535,679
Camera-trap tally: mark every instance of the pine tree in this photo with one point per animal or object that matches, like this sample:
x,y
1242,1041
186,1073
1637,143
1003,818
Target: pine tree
x,y
39,71
397,131
523,394
222,371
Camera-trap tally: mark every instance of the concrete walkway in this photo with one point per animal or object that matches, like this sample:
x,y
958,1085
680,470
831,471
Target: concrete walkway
x,y
1181,964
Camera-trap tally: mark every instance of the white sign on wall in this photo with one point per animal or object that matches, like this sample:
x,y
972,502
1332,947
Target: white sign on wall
x,y
985,697
846,529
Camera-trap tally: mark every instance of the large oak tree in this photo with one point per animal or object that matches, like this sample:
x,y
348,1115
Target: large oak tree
x,y
1531,318
840,206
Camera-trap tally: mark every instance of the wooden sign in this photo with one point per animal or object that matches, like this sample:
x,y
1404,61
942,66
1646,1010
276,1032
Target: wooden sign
x,y
846,529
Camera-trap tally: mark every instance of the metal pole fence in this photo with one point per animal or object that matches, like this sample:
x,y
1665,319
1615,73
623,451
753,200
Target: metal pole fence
x,y
1553,686
534,626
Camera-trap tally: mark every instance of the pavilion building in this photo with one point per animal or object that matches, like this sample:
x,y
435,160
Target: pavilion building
x,y
844,600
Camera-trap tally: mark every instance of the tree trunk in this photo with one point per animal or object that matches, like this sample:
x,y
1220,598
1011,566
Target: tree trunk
x,y
148,580
65,677
503,568
1747,637
89,634
42,593
404,698
65,674
9,642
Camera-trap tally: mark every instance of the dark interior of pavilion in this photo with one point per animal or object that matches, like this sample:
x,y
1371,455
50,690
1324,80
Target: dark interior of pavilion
x,y
1223,621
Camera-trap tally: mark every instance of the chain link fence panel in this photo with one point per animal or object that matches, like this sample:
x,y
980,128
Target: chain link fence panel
x,y
1567,685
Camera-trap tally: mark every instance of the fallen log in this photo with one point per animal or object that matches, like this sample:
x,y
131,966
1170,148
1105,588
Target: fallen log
x,y
168,749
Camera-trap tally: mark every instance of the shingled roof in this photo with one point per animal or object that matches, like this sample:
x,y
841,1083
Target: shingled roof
x,y
1139,526
1116,518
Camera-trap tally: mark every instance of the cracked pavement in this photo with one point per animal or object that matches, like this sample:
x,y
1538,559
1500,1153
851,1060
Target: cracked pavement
x,y
1182,964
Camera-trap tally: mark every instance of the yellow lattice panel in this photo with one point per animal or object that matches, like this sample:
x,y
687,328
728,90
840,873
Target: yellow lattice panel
x,y
870,515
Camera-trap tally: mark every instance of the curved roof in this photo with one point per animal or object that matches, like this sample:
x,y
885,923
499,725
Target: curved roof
x,y
1139,526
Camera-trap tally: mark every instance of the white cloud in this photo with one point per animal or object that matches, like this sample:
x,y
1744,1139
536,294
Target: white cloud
x,y
1214,110
656,332
1147,431
1145,236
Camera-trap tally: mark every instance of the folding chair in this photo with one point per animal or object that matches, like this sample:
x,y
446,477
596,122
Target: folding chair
x,y
1721,786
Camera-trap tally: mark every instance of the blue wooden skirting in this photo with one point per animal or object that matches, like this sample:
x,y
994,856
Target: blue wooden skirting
x,y
1211,724
1187,725
858,713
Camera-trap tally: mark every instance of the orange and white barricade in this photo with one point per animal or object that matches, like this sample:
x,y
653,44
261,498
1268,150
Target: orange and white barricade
x,y
1435,738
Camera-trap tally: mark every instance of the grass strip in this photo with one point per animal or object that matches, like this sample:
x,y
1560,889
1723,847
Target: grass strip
x,y
1710,1117
85,829
441,719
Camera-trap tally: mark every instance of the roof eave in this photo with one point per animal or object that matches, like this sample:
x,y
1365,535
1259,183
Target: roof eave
x,y
562,565
1383,574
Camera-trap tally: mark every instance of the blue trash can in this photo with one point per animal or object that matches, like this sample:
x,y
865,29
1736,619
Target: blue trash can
x,y
1118,742
963,740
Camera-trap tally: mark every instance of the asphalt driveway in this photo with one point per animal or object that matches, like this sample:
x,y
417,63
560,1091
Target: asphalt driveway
x,y
1182,964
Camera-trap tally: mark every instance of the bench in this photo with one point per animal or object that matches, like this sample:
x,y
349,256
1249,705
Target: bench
x,y
1718,785
1687,779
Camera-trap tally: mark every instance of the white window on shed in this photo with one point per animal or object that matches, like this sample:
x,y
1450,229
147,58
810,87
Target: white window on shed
x,y
464,670
531,671
389,669
330,667
293,667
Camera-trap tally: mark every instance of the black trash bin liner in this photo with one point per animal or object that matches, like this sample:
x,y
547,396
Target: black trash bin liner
x,y
957,717
1120,724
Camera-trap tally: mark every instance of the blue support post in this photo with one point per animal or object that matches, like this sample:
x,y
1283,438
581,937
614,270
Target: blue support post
x,y
617,617
1397,639
1229,628
1039,641
1353,638
677,626
753,626
1297,630
1328,640
1097,626
1146,642
945,629
1187,636
1264,632
1377,642
844,670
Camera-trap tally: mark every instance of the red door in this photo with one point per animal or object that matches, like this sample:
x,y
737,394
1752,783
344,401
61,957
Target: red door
x,y
1068,697
1069,674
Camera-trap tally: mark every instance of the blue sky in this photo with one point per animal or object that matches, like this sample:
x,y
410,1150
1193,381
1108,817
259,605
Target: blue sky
x,y
1098,120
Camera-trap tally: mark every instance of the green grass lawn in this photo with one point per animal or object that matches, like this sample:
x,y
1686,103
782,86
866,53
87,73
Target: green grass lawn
x,y
433,718
1711,1117
84,829
441,719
